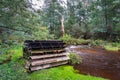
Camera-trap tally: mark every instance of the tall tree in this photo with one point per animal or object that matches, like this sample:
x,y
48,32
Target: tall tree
x,y
52,17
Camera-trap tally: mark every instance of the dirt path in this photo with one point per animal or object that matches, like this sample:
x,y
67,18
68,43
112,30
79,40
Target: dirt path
x,y
98,62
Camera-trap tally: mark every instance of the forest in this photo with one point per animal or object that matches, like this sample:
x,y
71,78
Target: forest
x,y
94,25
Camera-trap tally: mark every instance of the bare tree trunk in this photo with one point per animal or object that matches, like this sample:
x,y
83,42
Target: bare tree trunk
x,y
62,26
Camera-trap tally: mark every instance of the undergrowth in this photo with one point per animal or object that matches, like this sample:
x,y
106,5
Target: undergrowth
x,y
74,58
14,70
72,41
110,46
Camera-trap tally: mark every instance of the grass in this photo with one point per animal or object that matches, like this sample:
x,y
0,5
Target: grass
x,y
61,73
14,70
112,47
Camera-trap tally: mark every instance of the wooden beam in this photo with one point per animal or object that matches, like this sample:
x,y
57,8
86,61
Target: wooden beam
x,y
47,66
43,51
46,61
46,56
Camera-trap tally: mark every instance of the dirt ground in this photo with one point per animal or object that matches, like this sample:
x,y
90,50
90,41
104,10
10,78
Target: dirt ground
x,y
98,62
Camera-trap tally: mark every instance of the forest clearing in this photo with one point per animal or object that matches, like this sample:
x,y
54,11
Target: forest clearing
x,y
59,39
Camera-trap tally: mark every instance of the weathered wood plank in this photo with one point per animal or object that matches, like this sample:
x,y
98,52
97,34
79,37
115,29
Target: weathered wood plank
x,y
51,60
47,56
43,51
47,66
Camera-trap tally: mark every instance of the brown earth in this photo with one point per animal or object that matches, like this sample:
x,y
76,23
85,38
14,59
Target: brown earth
x,y
98,62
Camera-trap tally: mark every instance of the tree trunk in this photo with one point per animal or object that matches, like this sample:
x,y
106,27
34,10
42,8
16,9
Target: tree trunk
x,y
62,26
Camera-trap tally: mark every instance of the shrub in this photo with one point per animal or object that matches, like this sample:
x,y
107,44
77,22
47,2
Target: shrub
x,y
98,43
68,39
72,41
84,42
112,46
75,58
13,71
4,58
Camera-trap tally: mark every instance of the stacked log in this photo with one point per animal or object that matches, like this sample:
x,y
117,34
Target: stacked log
x,y
44,54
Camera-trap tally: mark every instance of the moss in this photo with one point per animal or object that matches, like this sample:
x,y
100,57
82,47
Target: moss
x,y
61,73
112,46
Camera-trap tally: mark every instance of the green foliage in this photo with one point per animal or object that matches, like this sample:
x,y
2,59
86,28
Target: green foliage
x,y
12,53
107,45
112,46
70,40
19,22
9,38
52,15
3,58
14,69
75,58
17,38
117,29
98,42
84,42
42,33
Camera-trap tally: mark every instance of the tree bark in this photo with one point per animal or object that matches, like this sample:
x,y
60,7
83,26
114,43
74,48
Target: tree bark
x,y
62,26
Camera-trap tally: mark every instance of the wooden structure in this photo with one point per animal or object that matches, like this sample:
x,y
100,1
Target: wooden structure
x,y
44,54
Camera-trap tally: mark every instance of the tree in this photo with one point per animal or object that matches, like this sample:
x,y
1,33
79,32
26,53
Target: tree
x,y
104,16
53,19
19,22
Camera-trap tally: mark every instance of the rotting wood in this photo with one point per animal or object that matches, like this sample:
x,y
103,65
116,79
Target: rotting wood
x,y
46,61
47,66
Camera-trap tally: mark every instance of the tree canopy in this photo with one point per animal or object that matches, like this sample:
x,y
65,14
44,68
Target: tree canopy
x,y
19,20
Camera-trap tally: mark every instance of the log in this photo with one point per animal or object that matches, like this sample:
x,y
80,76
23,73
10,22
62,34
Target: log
x,y
50,41
47,56
43,51
47,66
46,61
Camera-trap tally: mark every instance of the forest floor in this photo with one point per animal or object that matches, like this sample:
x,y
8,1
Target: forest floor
x,y
98,62
12,68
